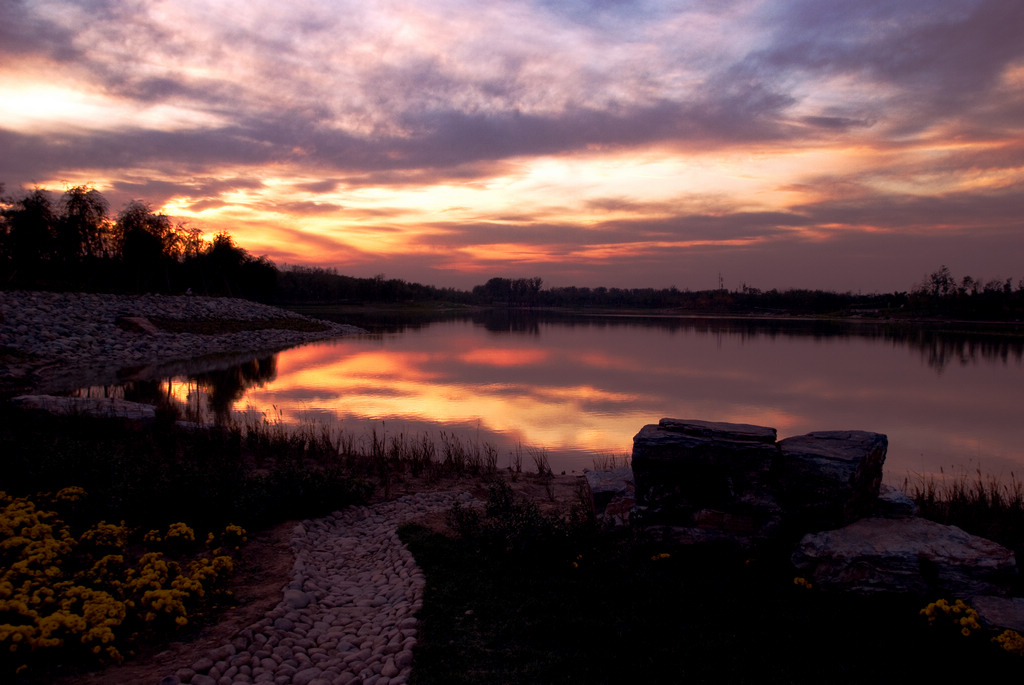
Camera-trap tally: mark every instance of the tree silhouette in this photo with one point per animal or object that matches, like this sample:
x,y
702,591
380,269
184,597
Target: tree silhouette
x,y
147,244
83,228
30,227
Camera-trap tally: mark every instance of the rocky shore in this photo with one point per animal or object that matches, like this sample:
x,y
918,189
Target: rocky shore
x,y
59,341
347,612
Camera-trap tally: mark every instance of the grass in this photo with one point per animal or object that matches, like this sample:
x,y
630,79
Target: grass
x,y
255,473
987,506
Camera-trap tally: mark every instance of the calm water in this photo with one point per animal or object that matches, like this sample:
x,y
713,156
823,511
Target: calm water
x,y
582,388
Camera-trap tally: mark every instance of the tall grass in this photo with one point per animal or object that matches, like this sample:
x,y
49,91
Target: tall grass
x,y
982,504
256,470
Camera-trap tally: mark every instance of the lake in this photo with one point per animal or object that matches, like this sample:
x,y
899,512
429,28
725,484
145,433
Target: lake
x,y
580,388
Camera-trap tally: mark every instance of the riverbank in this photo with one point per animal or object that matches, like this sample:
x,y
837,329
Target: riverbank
x,y
50,342
154,474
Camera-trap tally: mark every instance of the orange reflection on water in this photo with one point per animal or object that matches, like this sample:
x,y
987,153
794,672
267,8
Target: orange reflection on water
x,y
505,356
351,382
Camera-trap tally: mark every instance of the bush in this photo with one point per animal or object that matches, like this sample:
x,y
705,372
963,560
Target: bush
x,y
515,524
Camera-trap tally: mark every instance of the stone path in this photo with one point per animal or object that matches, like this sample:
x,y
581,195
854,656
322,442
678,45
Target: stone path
x,y
348,614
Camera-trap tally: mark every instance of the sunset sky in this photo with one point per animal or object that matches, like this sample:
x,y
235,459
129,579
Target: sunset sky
x,y
849,145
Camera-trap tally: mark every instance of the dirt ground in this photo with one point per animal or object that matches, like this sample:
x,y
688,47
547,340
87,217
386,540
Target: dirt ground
x,y
265,568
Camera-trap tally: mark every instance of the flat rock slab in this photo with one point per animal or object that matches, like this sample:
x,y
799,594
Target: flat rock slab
x,y
718,430
91,406
905,556
839,454
138,324
1000,612
674,444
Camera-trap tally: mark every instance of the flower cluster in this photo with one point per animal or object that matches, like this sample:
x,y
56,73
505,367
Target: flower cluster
x,y
959,614
231,538
65,597
1011,641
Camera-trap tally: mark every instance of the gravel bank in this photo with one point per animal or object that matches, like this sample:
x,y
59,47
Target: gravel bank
x,y
74,339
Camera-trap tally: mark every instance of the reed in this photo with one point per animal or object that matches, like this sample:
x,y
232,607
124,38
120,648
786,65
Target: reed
x,y
988,505
255,468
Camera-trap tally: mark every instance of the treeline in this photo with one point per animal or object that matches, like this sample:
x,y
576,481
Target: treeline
x,y
317,285
307,285
75,243
940,293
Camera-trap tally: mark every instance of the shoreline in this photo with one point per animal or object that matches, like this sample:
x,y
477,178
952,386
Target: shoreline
x,y
53,342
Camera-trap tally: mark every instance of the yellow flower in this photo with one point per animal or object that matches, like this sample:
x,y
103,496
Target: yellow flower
x,y
1010,641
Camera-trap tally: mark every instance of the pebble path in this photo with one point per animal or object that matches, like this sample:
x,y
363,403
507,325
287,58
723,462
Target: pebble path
x,y
348,614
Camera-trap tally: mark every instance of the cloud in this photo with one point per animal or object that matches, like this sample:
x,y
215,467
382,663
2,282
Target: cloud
x,y
652,140
917,61
26,32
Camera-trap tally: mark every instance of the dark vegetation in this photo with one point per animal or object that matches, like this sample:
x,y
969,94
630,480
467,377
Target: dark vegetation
x,y
517,596
982,505
75,243
157,473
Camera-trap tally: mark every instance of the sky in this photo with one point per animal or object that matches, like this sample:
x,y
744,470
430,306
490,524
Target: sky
x,y
850,146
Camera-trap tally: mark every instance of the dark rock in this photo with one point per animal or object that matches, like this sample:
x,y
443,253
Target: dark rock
x,y
713,478
893,503
1000,612
830,478
906,556
612,494
297,599
137,324
718,430
203,665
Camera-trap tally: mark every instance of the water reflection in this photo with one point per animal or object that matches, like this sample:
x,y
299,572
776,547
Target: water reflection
x,y
208,395
939,344
580,386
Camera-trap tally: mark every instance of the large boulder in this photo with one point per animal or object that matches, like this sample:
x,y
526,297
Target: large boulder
x,y
702,480
909,555
828,479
